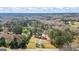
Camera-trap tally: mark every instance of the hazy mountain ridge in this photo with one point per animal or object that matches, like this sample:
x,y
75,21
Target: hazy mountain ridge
x,y
38,16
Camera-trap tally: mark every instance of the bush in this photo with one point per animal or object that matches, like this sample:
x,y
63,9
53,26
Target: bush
x,y
2,42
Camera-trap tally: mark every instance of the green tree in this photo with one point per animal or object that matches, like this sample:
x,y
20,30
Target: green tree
x,y
17,28
1,28
59,41
54,32
28,38
22,44
68,36
2,42
14,44
59,38
25,30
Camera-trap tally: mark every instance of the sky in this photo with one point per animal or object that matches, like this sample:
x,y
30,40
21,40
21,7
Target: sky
x,y
39,9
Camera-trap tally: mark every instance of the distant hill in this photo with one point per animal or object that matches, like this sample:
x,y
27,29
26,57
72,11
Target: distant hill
x,y
38,16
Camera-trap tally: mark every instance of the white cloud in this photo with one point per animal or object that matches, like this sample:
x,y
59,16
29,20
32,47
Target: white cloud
x,y
39,9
